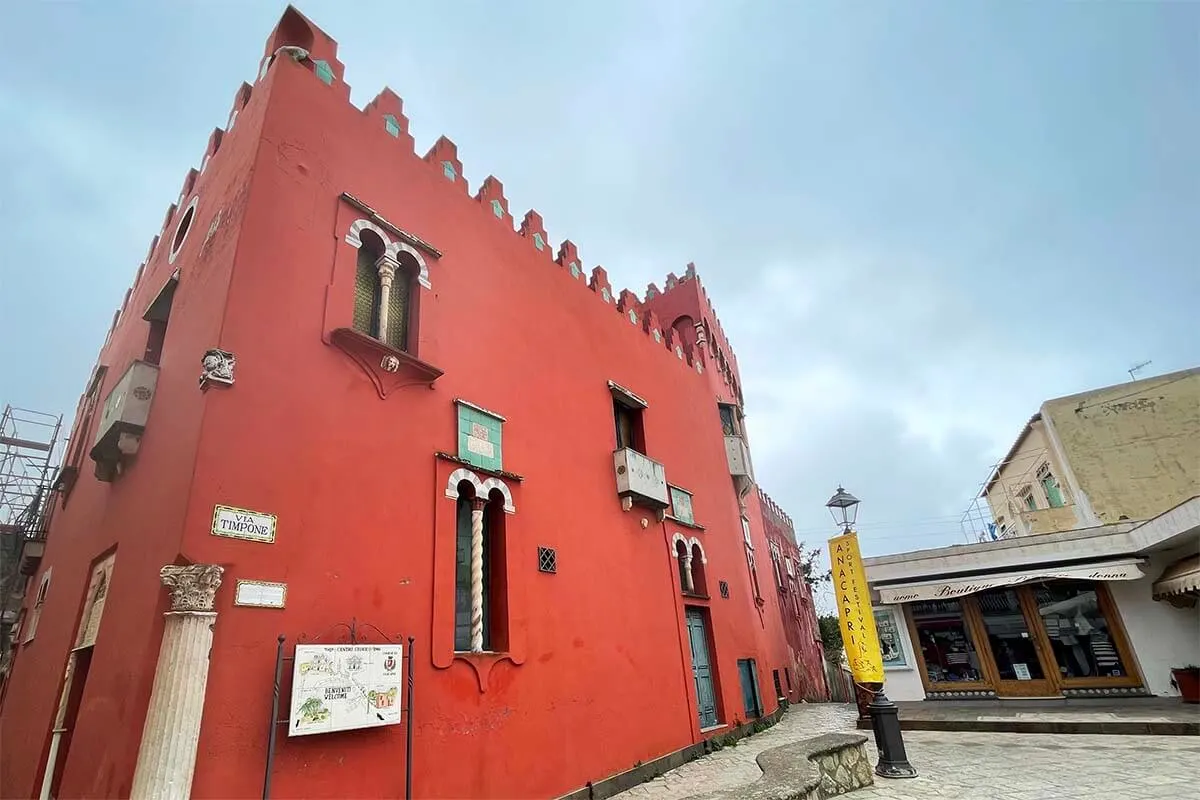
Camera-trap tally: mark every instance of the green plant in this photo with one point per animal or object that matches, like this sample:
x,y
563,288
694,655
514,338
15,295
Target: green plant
x,y
831,637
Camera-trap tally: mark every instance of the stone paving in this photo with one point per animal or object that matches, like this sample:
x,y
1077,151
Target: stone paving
x,y
967,766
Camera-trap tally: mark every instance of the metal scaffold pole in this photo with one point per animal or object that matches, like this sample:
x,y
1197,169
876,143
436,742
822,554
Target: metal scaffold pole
x,y
28,456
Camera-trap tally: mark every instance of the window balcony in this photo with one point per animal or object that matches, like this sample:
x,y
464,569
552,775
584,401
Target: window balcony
x,y
123,420
738,455
640,480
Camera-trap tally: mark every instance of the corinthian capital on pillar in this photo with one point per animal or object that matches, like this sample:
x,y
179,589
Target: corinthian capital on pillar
x,y
193,587
387,266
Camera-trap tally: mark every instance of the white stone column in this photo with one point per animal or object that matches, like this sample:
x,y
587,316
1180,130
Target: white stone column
x,y
167,757
689,581
477,575
387,267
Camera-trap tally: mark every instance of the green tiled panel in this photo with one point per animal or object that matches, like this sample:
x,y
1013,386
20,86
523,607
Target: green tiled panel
x,y
482,451
323,71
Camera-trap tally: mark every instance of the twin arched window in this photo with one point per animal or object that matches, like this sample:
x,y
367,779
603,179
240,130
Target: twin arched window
x,y
384,288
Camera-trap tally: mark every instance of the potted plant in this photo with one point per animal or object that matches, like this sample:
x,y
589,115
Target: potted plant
x,y
1187,681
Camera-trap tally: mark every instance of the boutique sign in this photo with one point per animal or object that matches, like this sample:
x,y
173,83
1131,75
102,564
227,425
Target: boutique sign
x,y
942,590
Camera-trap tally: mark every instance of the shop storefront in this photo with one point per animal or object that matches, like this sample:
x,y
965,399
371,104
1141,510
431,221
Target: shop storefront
x,y
1027,641
1097,613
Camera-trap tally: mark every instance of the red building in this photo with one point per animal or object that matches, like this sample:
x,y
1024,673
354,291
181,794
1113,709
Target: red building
x,y
342,389
796,607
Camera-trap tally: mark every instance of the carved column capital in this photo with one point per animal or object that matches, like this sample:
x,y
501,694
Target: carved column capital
x,y
194,587
387,266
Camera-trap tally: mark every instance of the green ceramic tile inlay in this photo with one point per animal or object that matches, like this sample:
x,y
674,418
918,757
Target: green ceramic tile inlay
x,y
633,316
575,273
391,125
539,242
479,438
605,295
657,335
323,71
497,209
681,506
449,171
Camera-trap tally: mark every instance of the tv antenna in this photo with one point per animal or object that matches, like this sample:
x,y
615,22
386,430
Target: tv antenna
x,y
1136,368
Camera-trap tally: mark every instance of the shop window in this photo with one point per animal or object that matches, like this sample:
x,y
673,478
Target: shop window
x,y
945,643
1008,634
1079,633
1050,486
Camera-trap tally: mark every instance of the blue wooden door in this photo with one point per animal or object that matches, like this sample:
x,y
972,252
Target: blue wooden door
x,y
702,668
748,676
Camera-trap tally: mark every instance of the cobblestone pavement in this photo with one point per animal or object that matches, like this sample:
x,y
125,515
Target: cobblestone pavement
x,y
967,766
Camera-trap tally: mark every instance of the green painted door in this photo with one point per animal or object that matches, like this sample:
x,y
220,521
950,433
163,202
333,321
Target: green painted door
x,y
706,695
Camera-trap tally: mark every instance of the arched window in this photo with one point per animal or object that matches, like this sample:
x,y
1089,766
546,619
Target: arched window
x,y
495,579
699,584
366,284
379,274
681,556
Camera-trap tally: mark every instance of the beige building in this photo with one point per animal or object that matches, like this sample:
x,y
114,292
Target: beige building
x,y
1091,587
1125,452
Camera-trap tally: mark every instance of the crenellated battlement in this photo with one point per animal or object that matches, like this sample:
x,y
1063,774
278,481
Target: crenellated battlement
x,y
297,43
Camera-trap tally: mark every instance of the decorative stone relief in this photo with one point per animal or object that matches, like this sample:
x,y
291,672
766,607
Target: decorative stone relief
x,y
218,368
193,587
389,364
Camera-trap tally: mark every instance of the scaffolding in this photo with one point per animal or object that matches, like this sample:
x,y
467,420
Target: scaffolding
x,y
29,452
1010,483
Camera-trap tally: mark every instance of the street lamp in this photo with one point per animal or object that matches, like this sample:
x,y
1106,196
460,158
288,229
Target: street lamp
x,y
885,719
844,508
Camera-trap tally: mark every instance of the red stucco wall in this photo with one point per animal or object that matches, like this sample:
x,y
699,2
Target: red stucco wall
x,y
797,612
599,675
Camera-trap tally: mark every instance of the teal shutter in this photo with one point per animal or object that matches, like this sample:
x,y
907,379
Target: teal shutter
x,y
706,697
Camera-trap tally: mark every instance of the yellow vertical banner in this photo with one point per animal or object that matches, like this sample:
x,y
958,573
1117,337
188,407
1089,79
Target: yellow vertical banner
x,y
859,637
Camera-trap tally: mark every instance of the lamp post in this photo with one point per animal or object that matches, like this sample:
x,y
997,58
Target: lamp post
x,y
885,721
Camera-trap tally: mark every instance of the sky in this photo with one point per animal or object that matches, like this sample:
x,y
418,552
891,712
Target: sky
x,y
916,221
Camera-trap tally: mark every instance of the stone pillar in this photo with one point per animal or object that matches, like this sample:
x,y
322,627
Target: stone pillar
x,y
387,267
689,582
167,757
477,574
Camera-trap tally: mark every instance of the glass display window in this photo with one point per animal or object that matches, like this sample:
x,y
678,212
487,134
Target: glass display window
x,y
944,642
1080,635
1014,649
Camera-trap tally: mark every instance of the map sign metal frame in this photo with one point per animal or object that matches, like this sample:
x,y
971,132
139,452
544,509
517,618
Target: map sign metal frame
x,y
351,639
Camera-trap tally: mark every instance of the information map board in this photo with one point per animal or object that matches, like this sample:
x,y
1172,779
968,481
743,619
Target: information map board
x,y
344,687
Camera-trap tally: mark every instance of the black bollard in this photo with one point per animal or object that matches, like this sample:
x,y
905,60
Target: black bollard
x,y
893,761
